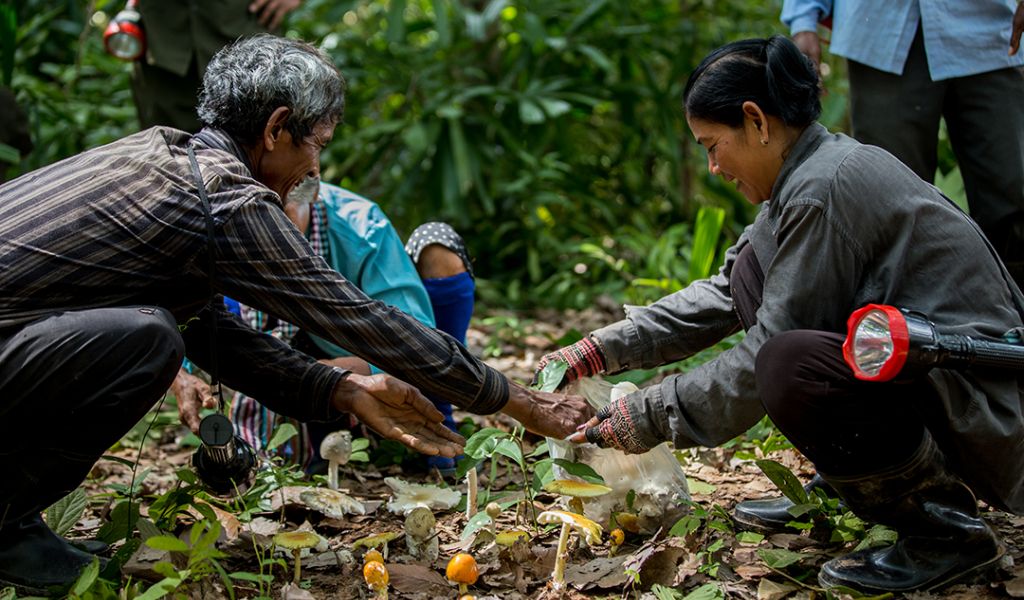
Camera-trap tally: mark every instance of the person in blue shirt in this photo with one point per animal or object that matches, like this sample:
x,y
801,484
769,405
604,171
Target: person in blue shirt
x,y
429,278
913,63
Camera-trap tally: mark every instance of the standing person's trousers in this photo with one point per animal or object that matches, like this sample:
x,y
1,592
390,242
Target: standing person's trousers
x,y
984,115
71,384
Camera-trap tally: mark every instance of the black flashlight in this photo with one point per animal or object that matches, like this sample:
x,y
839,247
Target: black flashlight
x,y
882,340
125,37
225,462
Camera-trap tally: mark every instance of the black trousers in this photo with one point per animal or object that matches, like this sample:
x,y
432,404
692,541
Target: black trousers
x,y
71,385
901,114
843,425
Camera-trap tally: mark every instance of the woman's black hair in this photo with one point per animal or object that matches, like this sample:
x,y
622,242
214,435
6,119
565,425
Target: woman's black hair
x,y
771,72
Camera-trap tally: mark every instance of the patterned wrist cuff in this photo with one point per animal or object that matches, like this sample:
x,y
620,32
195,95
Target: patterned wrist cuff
x,y
586,358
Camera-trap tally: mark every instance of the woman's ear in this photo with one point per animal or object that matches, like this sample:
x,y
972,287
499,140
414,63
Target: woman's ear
x,y
756,118
274,127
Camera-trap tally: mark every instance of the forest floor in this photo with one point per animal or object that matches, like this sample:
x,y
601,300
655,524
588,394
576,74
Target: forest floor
x,y
712,559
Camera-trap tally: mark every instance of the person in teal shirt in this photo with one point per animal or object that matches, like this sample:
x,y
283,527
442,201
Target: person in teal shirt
x,y
430,279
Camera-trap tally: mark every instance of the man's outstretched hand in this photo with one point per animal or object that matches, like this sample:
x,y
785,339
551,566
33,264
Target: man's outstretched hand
x,y
547,414
397,411
1017,29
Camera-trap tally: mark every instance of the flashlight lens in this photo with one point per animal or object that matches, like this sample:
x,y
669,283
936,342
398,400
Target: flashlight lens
x,y
872,343
124,45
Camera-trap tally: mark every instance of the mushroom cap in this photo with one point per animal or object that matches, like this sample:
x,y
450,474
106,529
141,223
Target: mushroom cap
x,y
590,530
617,536
332,503
337,446
628,521
373,555
376,575
408,496
510,537
420,522
372,541
462,569
576,489
493,509
297,540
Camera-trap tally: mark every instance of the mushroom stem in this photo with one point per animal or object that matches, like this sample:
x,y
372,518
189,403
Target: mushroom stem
x,y
298,565
332,474
463,588
471,490
558,576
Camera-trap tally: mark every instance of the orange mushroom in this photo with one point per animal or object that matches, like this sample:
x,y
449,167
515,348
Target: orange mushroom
x,y
462,570
376,576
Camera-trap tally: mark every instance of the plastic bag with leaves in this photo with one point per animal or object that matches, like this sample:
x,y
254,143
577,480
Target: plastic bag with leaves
x,y
651,486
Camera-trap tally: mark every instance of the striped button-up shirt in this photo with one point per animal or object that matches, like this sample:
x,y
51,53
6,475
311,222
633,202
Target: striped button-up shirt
x,y
123,225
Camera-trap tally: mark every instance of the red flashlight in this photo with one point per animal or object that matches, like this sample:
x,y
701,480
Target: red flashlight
x,y
881,341
124,37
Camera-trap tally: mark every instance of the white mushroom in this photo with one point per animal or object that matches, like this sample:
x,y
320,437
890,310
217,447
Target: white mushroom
x,y
408,496
420,535
332,503
587,529
336,449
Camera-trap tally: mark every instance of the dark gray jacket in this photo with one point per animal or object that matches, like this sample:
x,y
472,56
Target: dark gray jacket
x,y
847,224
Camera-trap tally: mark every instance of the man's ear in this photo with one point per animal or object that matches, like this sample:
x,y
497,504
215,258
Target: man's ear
x,y
274,128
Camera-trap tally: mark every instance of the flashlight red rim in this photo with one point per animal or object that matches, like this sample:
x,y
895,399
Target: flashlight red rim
x,y
128,28
900,342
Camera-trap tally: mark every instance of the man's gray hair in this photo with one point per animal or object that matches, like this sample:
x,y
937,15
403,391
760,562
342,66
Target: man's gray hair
x,y
249,79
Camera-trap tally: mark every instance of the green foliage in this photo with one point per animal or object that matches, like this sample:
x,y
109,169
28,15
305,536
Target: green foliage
x,y
708,591
64,513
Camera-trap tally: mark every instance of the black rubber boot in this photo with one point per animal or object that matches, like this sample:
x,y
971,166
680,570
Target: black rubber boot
x,y
37,561
771,514
942,537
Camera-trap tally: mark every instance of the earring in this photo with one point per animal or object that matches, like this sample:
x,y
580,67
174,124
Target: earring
x,y
764,142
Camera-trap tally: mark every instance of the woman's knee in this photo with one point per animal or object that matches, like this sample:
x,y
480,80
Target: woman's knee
x,y
792,362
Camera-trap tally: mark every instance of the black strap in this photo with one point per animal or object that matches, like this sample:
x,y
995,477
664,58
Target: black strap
x,y
211,303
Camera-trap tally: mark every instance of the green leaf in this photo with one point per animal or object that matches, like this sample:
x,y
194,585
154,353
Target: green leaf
x,y
878,535
122,461
360,444
784,479
86,578
168,543
587,16
64,513
583,471
665,593
396,21
708,591
697,486
283,433
685,526
463,466
8,36
9,154
749,537
542,474
476,523
161,589
554,108
705,241
442,24
121,524
483,442
551,375
530,113
511,449
778,558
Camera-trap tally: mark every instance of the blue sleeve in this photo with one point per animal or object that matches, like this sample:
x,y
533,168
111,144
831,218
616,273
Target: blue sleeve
x,y
366,249
804,15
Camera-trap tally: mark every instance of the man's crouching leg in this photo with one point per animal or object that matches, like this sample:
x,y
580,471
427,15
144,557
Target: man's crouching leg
x,y
71,385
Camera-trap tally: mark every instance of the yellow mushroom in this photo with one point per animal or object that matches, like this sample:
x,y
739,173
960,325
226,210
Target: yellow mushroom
x,y
509,538
296,541
588,530
576,491
462,570
372,555
376,576
615,539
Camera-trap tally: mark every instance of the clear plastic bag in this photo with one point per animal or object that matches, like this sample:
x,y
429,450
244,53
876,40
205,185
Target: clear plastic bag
x,y
655,477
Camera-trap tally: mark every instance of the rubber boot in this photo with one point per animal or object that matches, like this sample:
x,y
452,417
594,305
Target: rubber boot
x,y
770,515
35,560
942,537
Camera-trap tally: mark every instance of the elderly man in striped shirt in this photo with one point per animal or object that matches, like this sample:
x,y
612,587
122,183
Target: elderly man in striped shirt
x,y
109,261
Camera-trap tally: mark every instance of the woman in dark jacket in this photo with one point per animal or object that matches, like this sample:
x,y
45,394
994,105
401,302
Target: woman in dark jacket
x,y
841,225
